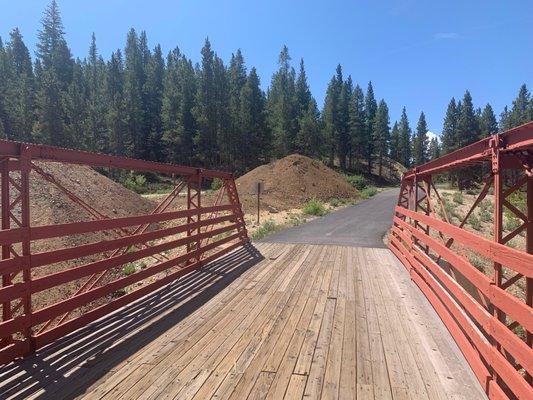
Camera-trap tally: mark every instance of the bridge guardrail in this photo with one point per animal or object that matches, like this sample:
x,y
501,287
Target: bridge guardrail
x,y
490,316
176,242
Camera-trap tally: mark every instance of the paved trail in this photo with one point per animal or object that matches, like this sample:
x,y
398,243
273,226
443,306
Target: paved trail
x,y
362,225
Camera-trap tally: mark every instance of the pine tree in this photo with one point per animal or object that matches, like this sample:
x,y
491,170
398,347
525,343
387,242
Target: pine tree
x,y
56,72
381,133
420,141
370,109
449,129
133,95
310,139
237,136
434,149
520,111
394,150
255,149
467,126
153,92
343,118
487,122
206,108
76,113
404,146
4,79
179,124
281,107
222,117
19,89
117,122
357,121
303,93
330,115
95,125
505,119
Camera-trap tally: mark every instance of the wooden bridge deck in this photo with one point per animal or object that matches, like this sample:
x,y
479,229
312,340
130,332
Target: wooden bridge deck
x,y
276,321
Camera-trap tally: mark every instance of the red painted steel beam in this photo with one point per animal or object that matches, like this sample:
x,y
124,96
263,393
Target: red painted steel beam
x,y
519,138
68,156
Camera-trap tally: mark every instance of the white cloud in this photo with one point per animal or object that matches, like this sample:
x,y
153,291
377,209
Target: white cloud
x,y
446,35
432,135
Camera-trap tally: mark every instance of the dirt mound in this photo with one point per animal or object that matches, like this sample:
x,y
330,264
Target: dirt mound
x,y
49,205
292,181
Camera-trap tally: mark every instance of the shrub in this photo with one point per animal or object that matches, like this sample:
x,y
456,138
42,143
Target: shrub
x,y
486,205
474,222
357,181
458,197
129,269
216,184
334,202
368,192
136,183
510,223
485,216
266,228
314,207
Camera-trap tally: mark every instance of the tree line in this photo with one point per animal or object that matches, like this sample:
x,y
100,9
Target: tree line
x,y
143,104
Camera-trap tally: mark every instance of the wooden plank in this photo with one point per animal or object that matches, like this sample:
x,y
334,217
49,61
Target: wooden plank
x,y
239,358
396,336
109,361
284,371
348,379
332,374
365,384
389,332
262,385
303,364
215,342
295,390
156,348
315,381
185,347
247,379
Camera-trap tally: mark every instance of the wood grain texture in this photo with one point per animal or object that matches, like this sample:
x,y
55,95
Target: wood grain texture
x,y
313,321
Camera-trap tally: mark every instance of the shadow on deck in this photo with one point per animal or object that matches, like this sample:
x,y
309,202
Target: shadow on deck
x,y
103,345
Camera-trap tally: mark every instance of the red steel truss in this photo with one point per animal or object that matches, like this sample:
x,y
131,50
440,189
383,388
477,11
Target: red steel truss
x,y
176,242
490,315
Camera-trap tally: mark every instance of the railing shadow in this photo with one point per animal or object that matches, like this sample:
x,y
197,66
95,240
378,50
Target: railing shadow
x,y
70,365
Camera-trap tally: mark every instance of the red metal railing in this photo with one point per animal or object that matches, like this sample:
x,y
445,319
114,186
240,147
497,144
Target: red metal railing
x,y
175,242
488,310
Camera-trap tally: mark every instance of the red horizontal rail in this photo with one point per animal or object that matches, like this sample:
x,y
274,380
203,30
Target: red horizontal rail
x,y
517,309
183,237
470,352
17,290
514,139
39,152
492,325
76,228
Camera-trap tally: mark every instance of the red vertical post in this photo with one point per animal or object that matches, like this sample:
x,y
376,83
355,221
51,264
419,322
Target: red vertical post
x,y
6,223
498,221
194,187
25,168
199,213
529,249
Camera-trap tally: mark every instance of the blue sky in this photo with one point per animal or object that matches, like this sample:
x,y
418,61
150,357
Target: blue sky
x,y
417,53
